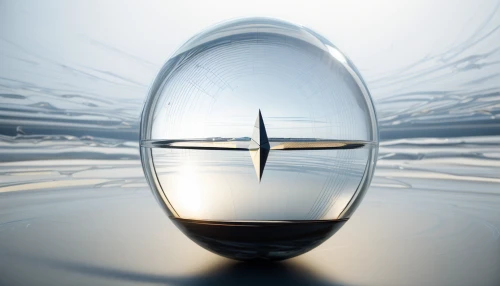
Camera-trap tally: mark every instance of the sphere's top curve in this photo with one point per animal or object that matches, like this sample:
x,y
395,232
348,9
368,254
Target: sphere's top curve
x,y
260,59
241,26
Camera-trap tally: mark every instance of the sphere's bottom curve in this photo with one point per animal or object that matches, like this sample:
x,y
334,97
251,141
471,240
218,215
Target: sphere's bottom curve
x,y
254,241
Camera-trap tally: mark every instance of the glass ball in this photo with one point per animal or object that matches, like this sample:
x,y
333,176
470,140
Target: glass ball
x,y
259,139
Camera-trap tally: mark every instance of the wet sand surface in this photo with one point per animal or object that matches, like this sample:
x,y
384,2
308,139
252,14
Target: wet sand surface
x,y
426,220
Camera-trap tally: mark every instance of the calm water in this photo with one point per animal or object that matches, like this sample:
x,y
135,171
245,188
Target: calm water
x,y
222,185
76,209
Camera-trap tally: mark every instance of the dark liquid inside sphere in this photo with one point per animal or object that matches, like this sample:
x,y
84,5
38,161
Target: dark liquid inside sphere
x,y
254,241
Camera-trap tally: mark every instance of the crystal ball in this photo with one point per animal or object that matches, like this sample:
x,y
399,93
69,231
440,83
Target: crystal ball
x,y
259,139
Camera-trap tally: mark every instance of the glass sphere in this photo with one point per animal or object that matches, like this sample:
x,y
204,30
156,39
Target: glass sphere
x,y
259,139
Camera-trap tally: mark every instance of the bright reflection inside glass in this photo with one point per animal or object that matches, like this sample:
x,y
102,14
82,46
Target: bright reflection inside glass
x,y
258,120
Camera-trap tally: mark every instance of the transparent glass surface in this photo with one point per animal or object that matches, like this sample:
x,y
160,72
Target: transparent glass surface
x,y
259,120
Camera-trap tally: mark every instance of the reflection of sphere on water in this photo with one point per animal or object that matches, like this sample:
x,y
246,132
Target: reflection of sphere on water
x,y
259,139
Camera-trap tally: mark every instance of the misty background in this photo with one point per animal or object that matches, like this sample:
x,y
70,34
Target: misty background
x,y
84,68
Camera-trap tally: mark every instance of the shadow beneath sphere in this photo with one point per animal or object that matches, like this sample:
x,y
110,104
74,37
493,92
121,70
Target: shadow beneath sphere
x,y
230,273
